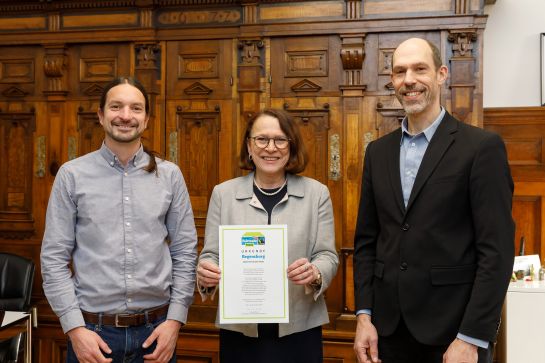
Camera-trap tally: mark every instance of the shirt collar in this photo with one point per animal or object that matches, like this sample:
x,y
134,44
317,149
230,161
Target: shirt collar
x,y
112,159
428,132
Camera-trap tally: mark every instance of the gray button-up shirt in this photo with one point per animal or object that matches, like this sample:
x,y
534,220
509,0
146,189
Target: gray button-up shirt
x,y
129,234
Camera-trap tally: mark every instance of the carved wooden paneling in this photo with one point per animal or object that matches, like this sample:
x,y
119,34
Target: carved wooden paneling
x,y
16,145
210,62
91,66
523,130
314,125
90,133
18,72
198,155
313,59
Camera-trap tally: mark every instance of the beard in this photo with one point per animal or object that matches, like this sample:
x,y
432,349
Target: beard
x,y
124,137
414,106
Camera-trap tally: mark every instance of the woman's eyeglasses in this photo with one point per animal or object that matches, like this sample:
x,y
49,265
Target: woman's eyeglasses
x,y
262,142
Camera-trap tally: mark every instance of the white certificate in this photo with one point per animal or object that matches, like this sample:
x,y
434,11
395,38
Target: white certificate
x,y
254,282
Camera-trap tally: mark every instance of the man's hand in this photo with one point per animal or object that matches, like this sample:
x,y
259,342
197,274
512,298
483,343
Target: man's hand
x,y
166,335
366,341
88,346
461,352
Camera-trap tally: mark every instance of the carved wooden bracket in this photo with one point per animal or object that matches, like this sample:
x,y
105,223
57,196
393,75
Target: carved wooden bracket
x,y
55,64
250,51
352,57
462,40
146,56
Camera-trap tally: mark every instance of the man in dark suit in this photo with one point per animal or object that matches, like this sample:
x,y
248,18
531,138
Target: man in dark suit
x,y
433,249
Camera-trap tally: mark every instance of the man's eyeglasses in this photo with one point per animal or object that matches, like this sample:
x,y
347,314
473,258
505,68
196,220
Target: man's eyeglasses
x,y
262,142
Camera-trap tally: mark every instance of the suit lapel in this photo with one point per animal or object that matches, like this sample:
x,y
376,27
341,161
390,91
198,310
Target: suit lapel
x,y
393,168
444,136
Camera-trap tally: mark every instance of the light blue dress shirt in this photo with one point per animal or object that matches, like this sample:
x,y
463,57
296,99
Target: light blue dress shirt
x,y
411,153
128,233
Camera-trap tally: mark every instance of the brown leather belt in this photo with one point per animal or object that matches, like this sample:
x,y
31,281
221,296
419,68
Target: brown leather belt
x,y
126,320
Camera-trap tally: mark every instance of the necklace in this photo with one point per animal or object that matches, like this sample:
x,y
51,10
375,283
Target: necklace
x,y
273,193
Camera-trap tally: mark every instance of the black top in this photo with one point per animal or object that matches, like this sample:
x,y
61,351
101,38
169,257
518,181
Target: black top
x,y
269,201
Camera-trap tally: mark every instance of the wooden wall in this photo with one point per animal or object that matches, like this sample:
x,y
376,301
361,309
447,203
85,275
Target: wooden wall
x,y
209,65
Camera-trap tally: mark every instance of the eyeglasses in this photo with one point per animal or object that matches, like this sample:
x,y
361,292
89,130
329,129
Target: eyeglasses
x,y
262,142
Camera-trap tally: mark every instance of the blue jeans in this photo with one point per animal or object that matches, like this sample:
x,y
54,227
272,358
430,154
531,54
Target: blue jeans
x,y
125,343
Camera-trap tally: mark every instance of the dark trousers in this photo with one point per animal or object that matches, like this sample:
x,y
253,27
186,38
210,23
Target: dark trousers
x,y
301,347
402,347
125,343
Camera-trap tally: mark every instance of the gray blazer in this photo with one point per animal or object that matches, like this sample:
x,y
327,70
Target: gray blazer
x,y
307,210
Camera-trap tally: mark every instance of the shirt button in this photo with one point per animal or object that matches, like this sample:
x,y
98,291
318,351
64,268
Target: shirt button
x,y
111,163
129,300
126,198
405,227
403,266
129,250
129,276
413,144
126,174
128,223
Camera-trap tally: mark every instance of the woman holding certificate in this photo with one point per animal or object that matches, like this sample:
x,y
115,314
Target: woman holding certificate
x,y
272,194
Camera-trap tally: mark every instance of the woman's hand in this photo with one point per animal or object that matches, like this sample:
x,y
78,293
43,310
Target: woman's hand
x,y
302,272
208,274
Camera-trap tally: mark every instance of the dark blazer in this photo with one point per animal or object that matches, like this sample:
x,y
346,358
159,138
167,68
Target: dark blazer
x,y
444,262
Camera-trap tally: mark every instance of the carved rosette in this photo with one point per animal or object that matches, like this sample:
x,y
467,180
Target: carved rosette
x,y
55,64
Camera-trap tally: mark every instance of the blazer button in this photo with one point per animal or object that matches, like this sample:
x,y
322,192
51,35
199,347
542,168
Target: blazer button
x,y
403,266
405,227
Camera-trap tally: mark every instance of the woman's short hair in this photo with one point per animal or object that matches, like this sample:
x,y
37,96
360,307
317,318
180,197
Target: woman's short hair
x,y
298,155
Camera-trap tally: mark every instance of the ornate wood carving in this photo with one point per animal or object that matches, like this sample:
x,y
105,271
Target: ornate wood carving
x,y
198,66
305,86
462,67
14,92
188,18
250,66
250,51
306,63
16,145
55,64
352,56
97,69
94,90
16,71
